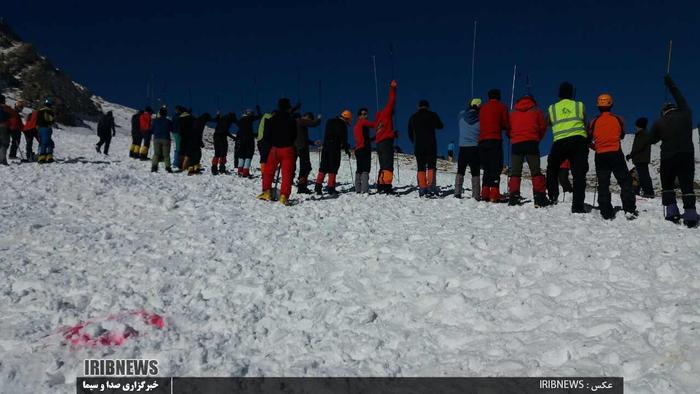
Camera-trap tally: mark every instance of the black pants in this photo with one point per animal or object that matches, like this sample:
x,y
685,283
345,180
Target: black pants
x,y
644,178
245,148
221,145
264,150
136,138
330,159
613,163
304,162
468,156
29,137
426,158
385,151
564,180
363,157
576,150
105,140
682,167
15,137
491,158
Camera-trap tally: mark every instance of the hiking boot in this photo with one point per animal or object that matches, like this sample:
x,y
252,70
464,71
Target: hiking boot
x,y
690,218
214,170
154,169
265,196
284,200
332,191
514,199
49,158
169,170
541,200
578,209
303,189
97,148
318,189
632,215
672,214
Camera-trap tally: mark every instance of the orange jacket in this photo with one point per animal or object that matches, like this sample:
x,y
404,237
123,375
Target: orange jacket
x,y
607,130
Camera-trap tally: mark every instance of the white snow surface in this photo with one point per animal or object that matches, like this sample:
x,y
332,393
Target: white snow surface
x,y
356,286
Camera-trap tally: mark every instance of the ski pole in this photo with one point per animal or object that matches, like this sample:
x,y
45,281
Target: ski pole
x,y
277,178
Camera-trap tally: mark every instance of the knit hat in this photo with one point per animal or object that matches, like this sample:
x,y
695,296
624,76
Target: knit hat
x,y
566,90
494,94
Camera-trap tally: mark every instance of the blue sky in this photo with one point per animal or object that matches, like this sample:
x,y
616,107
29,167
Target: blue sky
x,y
233,55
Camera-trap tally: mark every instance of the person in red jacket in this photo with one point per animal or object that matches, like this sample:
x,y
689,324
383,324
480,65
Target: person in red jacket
x,y
145,128
363,150
16,126
527,127
493,121
385,143
606,131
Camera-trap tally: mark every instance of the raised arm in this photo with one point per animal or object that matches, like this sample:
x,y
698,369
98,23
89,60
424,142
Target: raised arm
x,y
676,93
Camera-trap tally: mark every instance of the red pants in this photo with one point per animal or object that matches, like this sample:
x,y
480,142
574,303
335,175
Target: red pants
x,y
287,158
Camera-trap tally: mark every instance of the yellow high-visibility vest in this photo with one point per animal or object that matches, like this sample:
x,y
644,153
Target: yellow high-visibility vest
x,y
568,119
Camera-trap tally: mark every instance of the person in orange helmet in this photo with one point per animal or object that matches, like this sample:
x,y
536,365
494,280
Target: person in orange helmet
x,y
335,140
606,131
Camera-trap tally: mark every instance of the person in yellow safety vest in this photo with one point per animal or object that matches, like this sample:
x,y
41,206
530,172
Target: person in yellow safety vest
x,y
567,118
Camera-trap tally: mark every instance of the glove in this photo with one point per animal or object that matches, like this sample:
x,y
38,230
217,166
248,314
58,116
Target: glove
x,y
628,157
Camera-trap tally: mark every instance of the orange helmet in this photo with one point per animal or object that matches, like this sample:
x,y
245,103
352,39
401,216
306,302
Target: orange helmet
x,y
347,115
605,100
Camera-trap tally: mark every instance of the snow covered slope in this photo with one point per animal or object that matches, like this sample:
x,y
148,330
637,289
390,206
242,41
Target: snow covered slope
x,y
377,285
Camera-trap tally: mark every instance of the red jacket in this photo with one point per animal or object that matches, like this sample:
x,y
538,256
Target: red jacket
x,y
359,132
384,122
607,131
493,120
14,123
31,122
526,122
145,122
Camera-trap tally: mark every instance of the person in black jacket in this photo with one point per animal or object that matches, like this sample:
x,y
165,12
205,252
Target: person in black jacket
x,y
195,144
222,132
136,136
675,131
280,134
106,129
185,125
245,140
302,146
421,132
335,140
642,158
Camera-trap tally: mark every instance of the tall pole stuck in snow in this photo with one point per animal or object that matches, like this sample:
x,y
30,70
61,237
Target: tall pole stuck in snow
x,y
473,59
668,66
376,82
512,89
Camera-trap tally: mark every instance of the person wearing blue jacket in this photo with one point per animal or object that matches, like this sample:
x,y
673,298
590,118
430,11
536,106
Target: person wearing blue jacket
x,y
469,149
161,129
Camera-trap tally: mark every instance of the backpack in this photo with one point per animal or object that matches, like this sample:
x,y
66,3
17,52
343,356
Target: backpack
x,y
31,121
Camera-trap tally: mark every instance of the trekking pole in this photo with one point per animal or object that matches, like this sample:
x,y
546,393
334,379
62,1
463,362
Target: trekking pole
x,y
320,112
277,178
